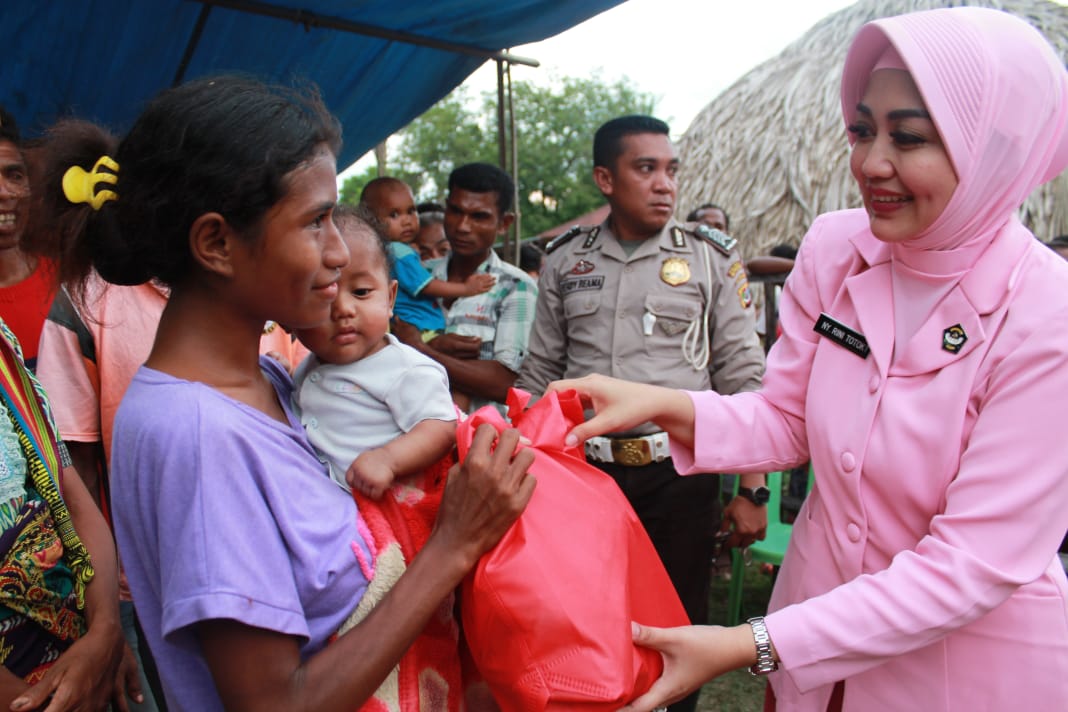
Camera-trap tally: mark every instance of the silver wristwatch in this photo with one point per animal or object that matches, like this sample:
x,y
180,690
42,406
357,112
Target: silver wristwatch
x,y
765,661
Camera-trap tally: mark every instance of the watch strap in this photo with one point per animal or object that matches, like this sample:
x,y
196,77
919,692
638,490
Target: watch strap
x,y
765,663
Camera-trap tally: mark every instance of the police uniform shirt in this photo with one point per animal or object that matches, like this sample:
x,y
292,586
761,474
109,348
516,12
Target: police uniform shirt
x,y
601,310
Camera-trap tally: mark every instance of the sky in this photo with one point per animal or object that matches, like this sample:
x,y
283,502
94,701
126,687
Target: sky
x,y
683,52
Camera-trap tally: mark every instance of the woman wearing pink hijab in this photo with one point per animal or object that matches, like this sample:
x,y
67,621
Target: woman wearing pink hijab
x,y
923,368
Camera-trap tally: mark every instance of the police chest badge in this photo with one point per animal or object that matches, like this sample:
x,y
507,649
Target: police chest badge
x,y
582,267
675,271
953,338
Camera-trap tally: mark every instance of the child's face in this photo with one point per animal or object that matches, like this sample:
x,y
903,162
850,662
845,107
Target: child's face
x,y
431,242
359,316
394,207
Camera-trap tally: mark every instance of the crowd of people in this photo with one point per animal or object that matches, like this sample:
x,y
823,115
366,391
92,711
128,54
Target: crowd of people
x,y
254,393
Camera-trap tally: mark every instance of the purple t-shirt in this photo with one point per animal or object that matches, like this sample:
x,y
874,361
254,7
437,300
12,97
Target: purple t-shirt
x,y
222,512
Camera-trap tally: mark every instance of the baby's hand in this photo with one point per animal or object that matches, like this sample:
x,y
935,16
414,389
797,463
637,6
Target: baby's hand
x,y
479,282
371,473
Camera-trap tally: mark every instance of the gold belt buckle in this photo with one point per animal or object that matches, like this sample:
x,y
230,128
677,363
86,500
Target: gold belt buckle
x,y
631,452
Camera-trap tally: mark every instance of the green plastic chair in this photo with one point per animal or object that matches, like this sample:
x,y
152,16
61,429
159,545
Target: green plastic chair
x,y
770,550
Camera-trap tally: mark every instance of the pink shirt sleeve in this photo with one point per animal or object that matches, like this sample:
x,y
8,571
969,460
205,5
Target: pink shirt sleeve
x,y
72,383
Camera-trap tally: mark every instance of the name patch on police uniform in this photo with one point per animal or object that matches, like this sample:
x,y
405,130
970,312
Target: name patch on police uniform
x,y
842,335
581,284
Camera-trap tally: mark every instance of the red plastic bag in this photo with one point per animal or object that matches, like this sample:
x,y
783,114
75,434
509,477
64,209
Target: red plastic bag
x,y
547,612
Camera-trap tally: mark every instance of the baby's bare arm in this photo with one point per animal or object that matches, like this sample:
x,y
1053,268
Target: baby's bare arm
x,y
407,454
422,446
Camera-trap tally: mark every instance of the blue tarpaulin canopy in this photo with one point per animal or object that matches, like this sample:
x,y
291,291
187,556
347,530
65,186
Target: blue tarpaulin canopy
x,y
103,59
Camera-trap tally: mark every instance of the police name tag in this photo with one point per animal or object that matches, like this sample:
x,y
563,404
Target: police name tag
x,y
842,335
581,284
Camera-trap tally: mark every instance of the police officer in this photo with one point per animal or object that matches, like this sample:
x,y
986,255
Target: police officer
x,y
643,298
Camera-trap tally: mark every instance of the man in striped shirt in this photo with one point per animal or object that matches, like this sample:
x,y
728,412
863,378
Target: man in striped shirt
x,y
486,336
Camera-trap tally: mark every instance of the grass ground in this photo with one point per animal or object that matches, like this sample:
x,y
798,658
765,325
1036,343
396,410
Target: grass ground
x,y
737,691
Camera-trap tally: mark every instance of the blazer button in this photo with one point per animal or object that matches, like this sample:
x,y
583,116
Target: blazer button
x,y
853,532
848,461
873,384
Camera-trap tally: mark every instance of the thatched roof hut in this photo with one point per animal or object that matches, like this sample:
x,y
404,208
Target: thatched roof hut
x,y
772,148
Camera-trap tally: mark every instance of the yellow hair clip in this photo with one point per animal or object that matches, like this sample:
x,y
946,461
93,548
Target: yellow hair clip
x,y
80,186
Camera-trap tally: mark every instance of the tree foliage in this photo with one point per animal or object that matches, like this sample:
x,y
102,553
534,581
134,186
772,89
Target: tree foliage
x,y
554,126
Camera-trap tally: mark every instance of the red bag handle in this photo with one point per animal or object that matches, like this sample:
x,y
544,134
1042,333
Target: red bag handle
x,y
545,424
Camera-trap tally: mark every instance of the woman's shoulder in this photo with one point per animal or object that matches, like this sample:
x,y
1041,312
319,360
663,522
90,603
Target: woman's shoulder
x,y
838,244
160,407
838,230
1041,289
160,402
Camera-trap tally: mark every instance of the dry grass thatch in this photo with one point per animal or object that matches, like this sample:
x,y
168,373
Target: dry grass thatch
x,y
772,148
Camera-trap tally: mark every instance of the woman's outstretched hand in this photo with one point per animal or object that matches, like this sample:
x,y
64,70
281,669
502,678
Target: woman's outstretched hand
x,y
693,655
620,405
487,492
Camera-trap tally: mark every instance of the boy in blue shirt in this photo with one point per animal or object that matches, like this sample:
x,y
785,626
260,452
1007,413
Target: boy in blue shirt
x,y
392,205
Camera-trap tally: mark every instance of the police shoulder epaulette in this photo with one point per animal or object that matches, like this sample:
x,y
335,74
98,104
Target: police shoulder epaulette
x,y
562,240
720,240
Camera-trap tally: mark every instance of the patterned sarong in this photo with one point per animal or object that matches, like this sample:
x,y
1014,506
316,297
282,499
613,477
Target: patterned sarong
x,y
39,618
428,678
44,567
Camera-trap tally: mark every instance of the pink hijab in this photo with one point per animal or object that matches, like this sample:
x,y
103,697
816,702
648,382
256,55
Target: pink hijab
x,y
998,95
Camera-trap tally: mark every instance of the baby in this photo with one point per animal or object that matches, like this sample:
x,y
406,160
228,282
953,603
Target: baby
x,y
374,409
391,203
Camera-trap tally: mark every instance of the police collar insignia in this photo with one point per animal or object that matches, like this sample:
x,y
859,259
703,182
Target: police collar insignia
x,y
953,338
676,237
675,271
588,242
720,240
842,335
582,267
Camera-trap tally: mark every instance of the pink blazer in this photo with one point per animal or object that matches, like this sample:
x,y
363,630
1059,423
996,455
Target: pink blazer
x,y
922,568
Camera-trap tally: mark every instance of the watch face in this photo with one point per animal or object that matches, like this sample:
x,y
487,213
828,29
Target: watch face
x,y
756,495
